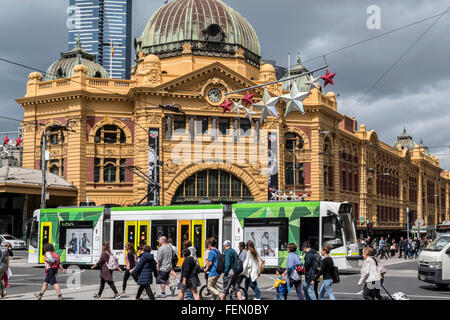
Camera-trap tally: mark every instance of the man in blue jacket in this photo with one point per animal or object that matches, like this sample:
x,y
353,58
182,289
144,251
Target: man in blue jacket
x,y
229,276
310,271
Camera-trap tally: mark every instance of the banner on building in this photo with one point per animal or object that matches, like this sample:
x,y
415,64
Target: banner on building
x,y
272,171
153,163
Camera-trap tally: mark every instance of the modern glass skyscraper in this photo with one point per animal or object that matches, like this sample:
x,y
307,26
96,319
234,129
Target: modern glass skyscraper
x,y
104,27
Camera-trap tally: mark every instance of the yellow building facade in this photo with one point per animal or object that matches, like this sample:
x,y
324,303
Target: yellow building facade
x,y
206,154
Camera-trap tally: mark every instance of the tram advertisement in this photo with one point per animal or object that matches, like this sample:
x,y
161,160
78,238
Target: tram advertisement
x,y
79,245
266,243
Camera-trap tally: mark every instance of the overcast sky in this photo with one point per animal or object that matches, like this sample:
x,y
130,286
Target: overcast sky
x,y
415,94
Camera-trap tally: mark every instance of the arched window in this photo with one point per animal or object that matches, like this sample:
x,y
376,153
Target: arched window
x,y
110,134
98,74
293,140
60,73
213,185
109,171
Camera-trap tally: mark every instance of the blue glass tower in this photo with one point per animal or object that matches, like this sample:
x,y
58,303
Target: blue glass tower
x,y
103,25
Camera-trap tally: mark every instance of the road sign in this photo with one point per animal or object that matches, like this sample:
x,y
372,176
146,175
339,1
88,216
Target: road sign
x,y
419,223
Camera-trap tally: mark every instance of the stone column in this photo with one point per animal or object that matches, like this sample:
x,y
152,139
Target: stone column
x,y
363,182
76,146
169,118
317,185
447,217
420,214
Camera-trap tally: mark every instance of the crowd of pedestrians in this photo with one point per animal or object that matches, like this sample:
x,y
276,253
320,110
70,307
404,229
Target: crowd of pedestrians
x,y
388,247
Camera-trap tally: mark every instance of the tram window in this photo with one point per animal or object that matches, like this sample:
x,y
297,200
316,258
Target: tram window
x,y
142,235
198,236
331,232
45,237
118,233
34,234
212,229
184,235
309,231
163,228
131,234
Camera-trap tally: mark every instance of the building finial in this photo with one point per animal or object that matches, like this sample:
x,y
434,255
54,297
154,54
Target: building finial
x,y
299,59
78,41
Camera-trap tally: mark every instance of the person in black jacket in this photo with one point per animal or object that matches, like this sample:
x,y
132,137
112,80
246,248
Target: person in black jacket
x,y
326,271
130,262
189,276
146,267
310,271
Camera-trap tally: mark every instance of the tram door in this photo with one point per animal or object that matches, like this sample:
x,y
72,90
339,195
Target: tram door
x,y
46,237
184,233
198,239
138,233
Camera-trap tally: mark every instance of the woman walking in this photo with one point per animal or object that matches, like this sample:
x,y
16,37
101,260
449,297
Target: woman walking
x,y
370,276
253,266
326,271
146,268
130,262
293,278
106,274
189,275
7,245
188,245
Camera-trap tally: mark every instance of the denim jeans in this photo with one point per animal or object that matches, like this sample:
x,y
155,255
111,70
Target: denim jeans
x,y
298,288
326,287
280,297
308,289
254,286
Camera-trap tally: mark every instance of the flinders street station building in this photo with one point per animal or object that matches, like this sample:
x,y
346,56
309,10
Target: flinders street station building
x,y
173,134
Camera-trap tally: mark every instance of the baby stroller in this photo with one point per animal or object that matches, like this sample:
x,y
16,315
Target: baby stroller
x,y
396,296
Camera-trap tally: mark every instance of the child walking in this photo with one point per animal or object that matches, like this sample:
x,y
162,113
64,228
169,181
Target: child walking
x,y
52,265
281,285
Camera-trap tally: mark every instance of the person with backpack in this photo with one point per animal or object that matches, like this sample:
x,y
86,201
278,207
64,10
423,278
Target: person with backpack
x,y
187,244
166,259
146,267
52,265
211,268
189,275
311,266
327,272
131,260
252,269
371,276
4,256
232,269
294,271
107,263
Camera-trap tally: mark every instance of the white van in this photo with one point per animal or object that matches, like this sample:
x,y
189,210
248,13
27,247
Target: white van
x,y
434,262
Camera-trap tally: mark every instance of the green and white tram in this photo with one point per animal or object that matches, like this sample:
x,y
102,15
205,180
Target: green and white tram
x,y
78,233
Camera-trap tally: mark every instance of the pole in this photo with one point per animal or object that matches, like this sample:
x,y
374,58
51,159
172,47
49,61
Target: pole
x,y
111,62
289,68
44,167
407,222
295,164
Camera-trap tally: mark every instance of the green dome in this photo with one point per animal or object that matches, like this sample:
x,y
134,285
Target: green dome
x,y
63,68
301,82
209,26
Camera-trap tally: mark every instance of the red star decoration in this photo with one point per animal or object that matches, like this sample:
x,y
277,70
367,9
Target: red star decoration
x,y
226,105
248,99
328,78
6,140
19,141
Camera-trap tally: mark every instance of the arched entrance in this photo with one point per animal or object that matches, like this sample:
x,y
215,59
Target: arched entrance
x,y
216,186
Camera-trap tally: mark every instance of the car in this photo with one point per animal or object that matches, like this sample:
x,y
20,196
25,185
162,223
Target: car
x,y
15,243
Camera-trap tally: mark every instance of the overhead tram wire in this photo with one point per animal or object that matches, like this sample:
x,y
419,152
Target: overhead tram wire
x,y
377,36
392,66
88,85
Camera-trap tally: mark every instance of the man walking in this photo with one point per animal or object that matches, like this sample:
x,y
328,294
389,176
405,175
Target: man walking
x,y
231,272
242,256
164,267
400,247
310,271
213,274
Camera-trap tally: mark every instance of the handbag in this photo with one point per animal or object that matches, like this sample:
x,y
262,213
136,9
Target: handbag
x,y
9,273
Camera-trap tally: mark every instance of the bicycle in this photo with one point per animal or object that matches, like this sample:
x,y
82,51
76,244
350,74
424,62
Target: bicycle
x,y
205,294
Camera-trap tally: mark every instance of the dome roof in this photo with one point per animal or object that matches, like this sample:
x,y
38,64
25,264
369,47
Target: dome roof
x,y
197,22
301,82
63,68
405,140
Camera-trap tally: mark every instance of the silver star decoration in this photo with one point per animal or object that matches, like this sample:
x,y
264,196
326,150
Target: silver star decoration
x,y
249,112
313,82
275,195
294,100
238,107
267,105
284,196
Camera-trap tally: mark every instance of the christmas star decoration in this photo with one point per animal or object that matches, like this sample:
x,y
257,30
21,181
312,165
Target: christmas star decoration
x,y
328,78
313,82
294,100
6,140
267,105
238,107
275,195
249,113
226,105
248,99
19,141
284,196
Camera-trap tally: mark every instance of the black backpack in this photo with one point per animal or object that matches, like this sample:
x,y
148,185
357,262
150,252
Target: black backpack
x,y
174,259
317,263
335,274
220,262
238,265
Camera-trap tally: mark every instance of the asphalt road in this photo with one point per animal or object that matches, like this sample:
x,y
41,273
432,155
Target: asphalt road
x,y
400,277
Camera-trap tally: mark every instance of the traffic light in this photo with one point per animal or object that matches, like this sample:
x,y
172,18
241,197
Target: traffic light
x,y
369,228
